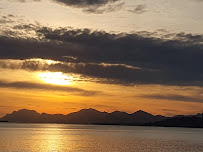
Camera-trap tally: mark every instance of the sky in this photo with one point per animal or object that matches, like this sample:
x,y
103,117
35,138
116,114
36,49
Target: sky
x,y
60,56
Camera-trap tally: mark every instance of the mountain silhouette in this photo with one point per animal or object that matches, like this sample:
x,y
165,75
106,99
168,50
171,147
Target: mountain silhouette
x,y
184,121
92,116
84,116
31,116
22,115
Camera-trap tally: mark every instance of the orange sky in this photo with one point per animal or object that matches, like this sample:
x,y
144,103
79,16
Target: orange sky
x,y
85,93
63,56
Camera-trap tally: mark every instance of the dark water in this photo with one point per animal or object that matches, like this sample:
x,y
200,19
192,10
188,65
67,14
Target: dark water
x,y
93,138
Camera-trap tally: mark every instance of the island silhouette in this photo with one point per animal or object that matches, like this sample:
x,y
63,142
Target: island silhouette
x,y
92,116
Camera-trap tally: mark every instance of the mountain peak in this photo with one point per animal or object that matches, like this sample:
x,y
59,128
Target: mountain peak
x,y
140,112
24,110
88,110
22,115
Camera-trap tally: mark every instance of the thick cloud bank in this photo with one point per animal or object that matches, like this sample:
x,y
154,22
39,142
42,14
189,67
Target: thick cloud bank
x,y
137,58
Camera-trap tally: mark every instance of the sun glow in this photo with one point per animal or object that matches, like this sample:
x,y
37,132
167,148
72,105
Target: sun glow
x,y
56,78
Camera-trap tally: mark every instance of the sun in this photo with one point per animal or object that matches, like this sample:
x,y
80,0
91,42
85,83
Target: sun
x,y
56,78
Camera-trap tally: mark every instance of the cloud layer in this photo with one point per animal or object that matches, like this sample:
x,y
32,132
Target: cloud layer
x,y
48,87
88,6
139,9
85,3
136,58
93,6
173,97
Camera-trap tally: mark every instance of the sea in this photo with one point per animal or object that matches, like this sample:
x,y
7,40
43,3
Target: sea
x,y
16,137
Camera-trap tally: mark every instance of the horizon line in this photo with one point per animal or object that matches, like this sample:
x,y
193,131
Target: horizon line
x,y
99,111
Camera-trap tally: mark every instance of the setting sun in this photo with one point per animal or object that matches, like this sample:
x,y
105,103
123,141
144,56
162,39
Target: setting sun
x,y
56,78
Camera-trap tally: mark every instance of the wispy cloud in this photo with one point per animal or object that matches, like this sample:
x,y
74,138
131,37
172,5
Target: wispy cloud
x,y
138,9
106,9
93,6
47,87
173,97
88,6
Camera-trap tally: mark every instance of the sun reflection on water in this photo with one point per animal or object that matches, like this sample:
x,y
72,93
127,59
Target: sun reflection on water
x,y
52,140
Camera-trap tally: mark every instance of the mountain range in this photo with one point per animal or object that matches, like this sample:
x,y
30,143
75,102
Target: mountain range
x,y
92,116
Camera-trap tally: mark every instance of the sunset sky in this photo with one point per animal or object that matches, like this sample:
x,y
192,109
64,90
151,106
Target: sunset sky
x,y
60,56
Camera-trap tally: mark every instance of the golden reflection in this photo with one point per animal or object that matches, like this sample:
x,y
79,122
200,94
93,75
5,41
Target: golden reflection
x,y
55,138
48,139
56,78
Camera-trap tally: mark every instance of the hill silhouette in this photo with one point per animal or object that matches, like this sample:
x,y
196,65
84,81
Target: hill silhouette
x,y
92,116
193,122
84,116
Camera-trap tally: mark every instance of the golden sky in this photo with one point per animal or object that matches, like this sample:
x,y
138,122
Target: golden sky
x,y
60,56
57,92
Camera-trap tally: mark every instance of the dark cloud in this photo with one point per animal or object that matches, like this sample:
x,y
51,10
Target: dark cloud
x,y
139,9
85,3
137,58
88,6
93,6
108,8
48,87
173,97
114,73
190,38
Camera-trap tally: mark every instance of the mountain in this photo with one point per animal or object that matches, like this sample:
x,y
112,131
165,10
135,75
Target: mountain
x,y
199,115
92,116
184,121
31,116
138,118
86,116
117,117
22,115
143,117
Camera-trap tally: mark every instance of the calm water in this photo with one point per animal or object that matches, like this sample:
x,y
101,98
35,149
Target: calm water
x,y
90,138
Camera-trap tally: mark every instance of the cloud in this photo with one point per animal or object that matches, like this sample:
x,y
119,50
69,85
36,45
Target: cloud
x,y
173,97
88,6
169,110
85,3
48,87
190,37
6,19
123,58
93,6
107,9
103,72
112,72
139,9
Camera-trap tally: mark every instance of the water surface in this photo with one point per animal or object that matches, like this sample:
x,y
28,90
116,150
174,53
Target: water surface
x,y
97,138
